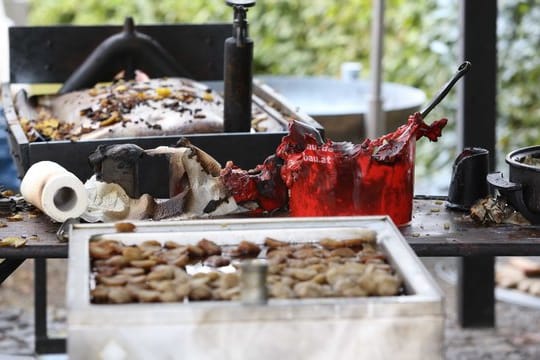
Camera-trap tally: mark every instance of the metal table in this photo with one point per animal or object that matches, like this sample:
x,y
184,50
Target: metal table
x,y
437,231
46,246
434,231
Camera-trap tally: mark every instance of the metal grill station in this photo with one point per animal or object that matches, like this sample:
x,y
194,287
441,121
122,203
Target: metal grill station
x,y
63,55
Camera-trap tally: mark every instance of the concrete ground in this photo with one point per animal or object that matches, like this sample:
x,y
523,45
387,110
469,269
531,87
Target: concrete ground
x,y
517,335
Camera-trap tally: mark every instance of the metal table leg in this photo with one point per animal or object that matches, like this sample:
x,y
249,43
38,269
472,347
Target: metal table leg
x,y
43,344
8,266
476,291
476,127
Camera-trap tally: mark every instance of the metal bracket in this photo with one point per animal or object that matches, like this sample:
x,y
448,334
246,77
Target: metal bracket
x,y
63,231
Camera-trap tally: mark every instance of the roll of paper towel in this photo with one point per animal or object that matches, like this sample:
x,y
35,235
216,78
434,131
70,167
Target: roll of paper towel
x,y
54,190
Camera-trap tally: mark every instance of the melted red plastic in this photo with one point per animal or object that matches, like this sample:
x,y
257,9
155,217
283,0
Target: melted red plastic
x,y
262,185
340,178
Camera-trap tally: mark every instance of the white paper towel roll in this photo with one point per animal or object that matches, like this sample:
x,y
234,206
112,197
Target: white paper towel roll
x,y
54,190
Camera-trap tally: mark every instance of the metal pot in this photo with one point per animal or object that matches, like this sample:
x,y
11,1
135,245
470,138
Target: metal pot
x,y
522,191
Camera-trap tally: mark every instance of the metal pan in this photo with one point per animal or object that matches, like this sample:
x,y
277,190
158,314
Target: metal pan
x,y
373,326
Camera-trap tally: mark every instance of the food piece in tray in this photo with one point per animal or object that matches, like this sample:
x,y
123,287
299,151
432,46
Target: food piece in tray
x,y
200,291
105,249
161,272
281,290
364,237
100,294
119,295
309,289
272,243
228,280
195,252
342,252
210,248
148,272
300,274
246,249
217,261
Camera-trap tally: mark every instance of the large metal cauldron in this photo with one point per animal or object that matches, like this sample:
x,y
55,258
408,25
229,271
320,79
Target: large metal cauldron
x,y
341,106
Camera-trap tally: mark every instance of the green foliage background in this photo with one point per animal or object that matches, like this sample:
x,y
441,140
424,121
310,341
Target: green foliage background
x,y
314,37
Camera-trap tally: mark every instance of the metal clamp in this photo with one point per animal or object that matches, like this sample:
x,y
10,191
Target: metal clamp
x,y
62,234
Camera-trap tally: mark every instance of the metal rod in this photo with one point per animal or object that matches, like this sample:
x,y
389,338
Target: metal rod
x,y
375,125
462,70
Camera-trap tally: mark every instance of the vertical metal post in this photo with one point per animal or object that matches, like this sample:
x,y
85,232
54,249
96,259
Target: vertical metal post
x,y
43,344
476,128
40,300
476,296
376,124
477,90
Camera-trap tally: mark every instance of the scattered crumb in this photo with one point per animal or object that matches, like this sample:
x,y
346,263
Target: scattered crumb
x,y
416,235
124,227
7,193
16,217
439,202
13,241
446,226
435,210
